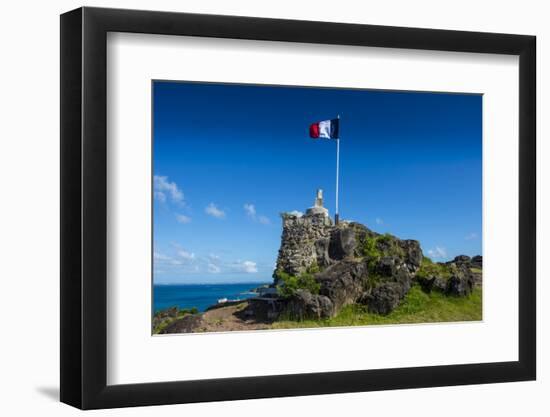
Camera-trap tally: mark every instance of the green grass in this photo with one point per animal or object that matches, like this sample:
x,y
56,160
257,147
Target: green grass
x,y
429,269
417,307
288,284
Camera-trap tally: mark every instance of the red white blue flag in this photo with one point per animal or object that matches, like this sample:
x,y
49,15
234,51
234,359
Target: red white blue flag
x,y
328,129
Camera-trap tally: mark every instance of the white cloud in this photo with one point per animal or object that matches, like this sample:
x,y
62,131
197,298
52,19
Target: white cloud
x,y
213,269
250,210
470,236
250,267
162,188
214,211
263,220
182,218
438,252
188,256
181,262
379,220
213,257
246,266
296,213
160,196
157,256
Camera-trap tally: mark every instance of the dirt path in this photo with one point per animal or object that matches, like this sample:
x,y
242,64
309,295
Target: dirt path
x,y
221,319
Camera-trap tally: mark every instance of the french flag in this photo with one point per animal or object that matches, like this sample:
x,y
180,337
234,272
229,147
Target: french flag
x,y
328,129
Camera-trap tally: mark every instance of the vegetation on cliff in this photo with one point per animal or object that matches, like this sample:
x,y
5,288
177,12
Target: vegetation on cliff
x,y
417,307
428,268
288,285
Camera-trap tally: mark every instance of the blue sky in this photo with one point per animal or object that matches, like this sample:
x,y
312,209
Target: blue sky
x,y
228,159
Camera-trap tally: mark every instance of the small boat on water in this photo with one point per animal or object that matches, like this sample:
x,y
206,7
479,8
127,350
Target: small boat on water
x,y
226,300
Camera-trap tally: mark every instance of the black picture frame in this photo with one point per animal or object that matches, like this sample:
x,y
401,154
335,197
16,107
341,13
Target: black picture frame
x,y
84,207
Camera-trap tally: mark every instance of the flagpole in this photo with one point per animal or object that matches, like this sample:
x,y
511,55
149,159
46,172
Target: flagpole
x,y
336,216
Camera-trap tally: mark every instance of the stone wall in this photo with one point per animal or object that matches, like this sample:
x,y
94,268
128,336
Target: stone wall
x,y
298,242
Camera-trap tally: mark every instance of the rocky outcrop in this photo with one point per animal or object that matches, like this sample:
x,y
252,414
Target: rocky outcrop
x,y
451,278
343,282
341,244
353,264
433,283
461,281
356,265
460,259
477,261
384,297
304,305
473,270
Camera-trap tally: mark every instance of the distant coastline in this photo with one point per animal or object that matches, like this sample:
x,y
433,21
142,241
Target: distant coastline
x,y
200,295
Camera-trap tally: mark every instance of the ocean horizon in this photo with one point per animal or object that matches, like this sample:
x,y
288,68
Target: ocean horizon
x,y
200,295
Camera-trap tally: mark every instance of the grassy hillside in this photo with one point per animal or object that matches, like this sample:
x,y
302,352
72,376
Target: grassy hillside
x,y
418,307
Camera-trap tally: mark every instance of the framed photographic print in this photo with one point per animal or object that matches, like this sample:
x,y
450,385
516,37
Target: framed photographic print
x,y
257,208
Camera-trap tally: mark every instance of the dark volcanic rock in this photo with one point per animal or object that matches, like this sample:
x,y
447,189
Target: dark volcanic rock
x,y
392,282
432,283
265,310
344,282
385,297
413,254
461,282
440,284
304,305
462,259
342,243
387,266
477,261
393,273
392,268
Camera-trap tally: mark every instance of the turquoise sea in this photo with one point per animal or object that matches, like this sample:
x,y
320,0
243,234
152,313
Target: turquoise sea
x,y
200,296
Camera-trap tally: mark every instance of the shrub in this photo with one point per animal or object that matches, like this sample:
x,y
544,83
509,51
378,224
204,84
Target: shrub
x,y
313,268
374,248
385,238
289,284
370,250
186,311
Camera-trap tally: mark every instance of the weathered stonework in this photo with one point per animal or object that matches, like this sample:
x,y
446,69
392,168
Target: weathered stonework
x,y
298,249
305,239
